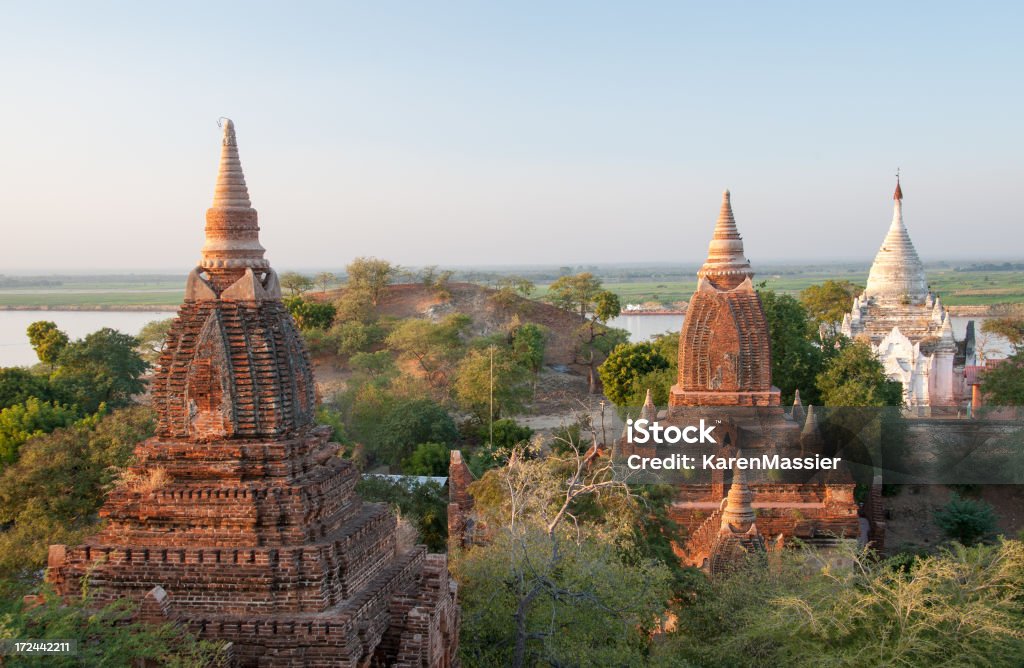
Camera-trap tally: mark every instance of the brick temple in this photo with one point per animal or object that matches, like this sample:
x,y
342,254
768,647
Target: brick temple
x,y
246,527
725,374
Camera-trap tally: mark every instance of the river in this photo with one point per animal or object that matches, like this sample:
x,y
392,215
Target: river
x,y
646,327
16,351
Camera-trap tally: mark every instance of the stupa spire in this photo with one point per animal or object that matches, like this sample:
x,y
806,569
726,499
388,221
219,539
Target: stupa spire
x,y
231,191
738,512
897,273
232,230
798,408
649,411
726,266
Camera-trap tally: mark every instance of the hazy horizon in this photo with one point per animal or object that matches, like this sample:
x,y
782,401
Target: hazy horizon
x,y
533,134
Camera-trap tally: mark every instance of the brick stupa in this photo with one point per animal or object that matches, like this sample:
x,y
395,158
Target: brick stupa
x,y
255,536
725,378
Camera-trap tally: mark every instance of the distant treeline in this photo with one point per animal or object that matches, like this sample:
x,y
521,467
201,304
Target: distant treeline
x,y
992,266
27,282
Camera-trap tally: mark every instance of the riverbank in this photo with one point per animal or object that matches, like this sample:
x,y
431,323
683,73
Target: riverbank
x,y
126,308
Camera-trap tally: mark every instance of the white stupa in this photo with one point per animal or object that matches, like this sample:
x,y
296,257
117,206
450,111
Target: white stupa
x,y
906,324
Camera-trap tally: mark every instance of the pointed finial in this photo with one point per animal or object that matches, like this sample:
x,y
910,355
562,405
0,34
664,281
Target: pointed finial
x,y
898,195
726,264
230,191
798,414
232,229
811,427
738,511
649,411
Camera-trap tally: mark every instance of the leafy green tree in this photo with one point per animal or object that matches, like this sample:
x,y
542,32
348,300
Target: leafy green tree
x,y
106,635
550,590
479,380
20,422
507,435
47,340
627,364
310,314
957,608
393,433
855,377
427,459
528,342
966,521
377,366
510,289
828,302
435,347
371,275
102,368
296,283
667,345
152,338
52,492
606,306
18,384
355,304
1011,329
324,280
353,337
1003,384
575,293
425,505
797,358
332,417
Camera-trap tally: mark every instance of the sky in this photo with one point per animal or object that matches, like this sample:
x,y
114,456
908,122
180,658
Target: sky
x,y
485,133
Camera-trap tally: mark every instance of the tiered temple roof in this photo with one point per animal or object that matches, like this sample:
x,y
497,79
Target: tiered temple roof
x,y
250,530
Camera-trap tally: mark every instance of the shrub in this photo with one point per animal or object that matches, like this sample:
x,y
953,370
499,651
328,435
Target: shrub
x,y
966,521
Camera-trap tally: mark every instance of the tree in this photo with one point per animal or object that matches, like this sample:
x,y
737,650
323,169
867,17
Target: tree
x,y
425,505
966,521
378,365
528,342
18,384
553,587
627,364
1003,384
828,302
575,293
310,314
371,275
152,338
393,433
427,459
489,374
797,358
106,635
52,492
324,280
47,341
956,608
855,377
1011,329
21,422
104,367
436,347
295,283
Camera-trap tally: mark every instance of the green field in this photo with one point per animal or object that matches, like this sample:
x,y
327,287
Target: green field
x,y
956,287
665,286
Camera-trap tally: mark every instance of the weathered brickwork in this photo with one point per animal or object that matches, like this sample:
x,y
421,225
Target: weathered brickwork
x,y
725,378
252,533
